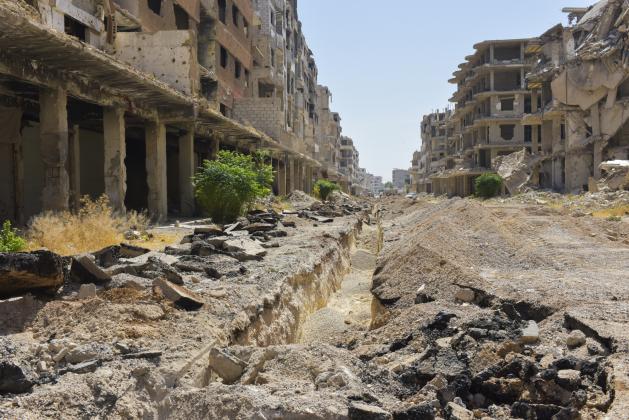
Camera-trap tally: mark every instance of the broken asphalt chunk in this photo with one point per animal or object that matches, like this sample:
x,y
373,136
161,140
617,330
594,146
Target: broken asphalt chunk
x,y
35,271
179,295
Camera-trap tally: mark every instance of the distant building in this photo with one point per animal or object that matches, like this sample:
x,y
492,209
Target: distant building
x,y
377,186
400,178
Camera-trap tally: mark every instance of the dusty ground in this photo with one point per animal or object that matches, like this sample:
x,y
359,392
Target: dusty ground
x,y
509,308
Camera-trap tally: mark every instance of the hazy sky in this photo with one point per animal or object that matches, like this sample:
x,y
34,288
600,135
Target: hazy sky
x,y
388,62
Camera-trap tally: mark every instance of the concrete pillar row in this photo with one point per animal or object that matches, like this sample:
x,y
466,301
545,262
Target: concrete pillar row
x,y
155,137
74,167
186,172
215,146
282,175
114,133
53,125
291,172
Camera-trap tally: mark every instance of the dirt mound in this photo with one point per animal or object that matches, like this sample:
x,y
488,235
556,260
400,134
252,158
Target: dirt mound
x,y
299,200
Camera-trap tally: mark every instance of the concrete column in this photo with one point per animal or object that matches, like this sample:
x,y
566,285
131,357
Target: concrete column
x,y
492,53
308,186
276,175
114,132
290,181
155,134
577,162
186,172
215,146
535,139
74,167
53,126
598,140
282,176
534,96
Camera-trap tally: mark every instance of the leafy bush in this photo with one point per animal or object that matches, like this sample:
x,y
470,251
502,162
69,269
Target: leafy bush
x,y
230,185
488,185
323,188
94,227
10,241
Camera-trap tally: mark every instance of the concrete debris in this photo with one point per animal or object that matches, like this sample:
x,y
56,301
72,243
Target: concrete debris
x,y
14,379
85,270
530,335
40,271
244,249
576,339
87,291
615,176
516,170
360,411
226,365
179,295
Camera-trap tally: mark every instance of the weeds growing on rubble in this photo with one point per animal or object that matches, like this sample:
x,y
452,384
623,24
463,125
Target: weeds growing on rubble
x,y
10,241
230,185
94,227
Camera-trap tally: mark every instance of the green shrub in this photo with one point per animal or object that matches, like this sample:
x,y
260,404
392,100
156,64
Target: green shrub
x,y
488,185
614,219
228,186
323,188
10,241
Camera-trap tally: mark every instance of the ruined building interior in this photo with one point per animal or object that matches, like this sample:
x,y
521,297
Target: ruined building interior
x,y
127,98
560,96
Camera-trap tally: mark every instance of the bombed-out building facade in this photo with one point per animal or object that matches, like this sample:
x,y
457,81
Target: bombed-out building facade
x,y
559,97
127,97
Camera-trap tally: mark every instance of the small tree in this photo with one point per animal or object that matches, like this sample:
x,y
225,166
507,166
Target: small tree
x,y
10,241
230,185
488,185
323,188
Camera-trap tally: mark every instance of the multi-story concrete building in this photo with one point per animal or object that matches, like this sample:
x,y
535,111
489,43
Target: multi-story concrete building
x,y
126,98
400,179
349,165
560,97
377,187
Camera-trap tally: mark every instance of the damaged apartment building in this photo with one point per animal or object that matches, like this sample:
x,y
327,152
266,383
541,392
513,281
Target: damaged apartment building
x,y
561,97
127,97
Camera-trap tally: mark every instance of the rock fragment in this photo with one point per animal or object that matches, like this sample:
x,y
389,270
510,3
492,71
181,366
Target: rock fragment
x,y
245,249
530,334
457,412
14,379
227,366
360,411
576,339
85,270
35,271
179,295
87,291
465,295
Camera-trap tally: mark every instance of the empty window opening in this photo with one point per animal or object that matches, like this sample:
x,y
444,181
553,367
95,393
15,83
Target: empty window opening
x,y
237,70
235,16
155,6
563,131
507,81
181,18
247,78
507,132
507,53
224,57
507,104
75,28
265,90
222,10
528,134
245,26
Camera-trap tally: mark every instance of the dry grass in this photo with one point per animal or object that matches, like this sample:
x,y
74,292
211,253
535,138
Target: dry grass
x,y
94,227
614,212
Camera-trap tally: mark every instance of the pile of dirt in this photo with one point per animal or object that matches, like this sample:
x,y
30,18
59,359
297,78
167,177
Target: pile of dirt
x,y
299,200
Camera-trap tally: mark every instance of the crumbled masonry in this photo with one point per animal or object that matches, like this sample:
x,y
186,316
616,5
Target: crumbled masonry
x,y
561,96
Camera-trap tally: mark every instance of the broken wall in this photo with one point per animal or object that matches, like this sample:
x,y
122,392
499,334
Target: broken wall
x,y
170,56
